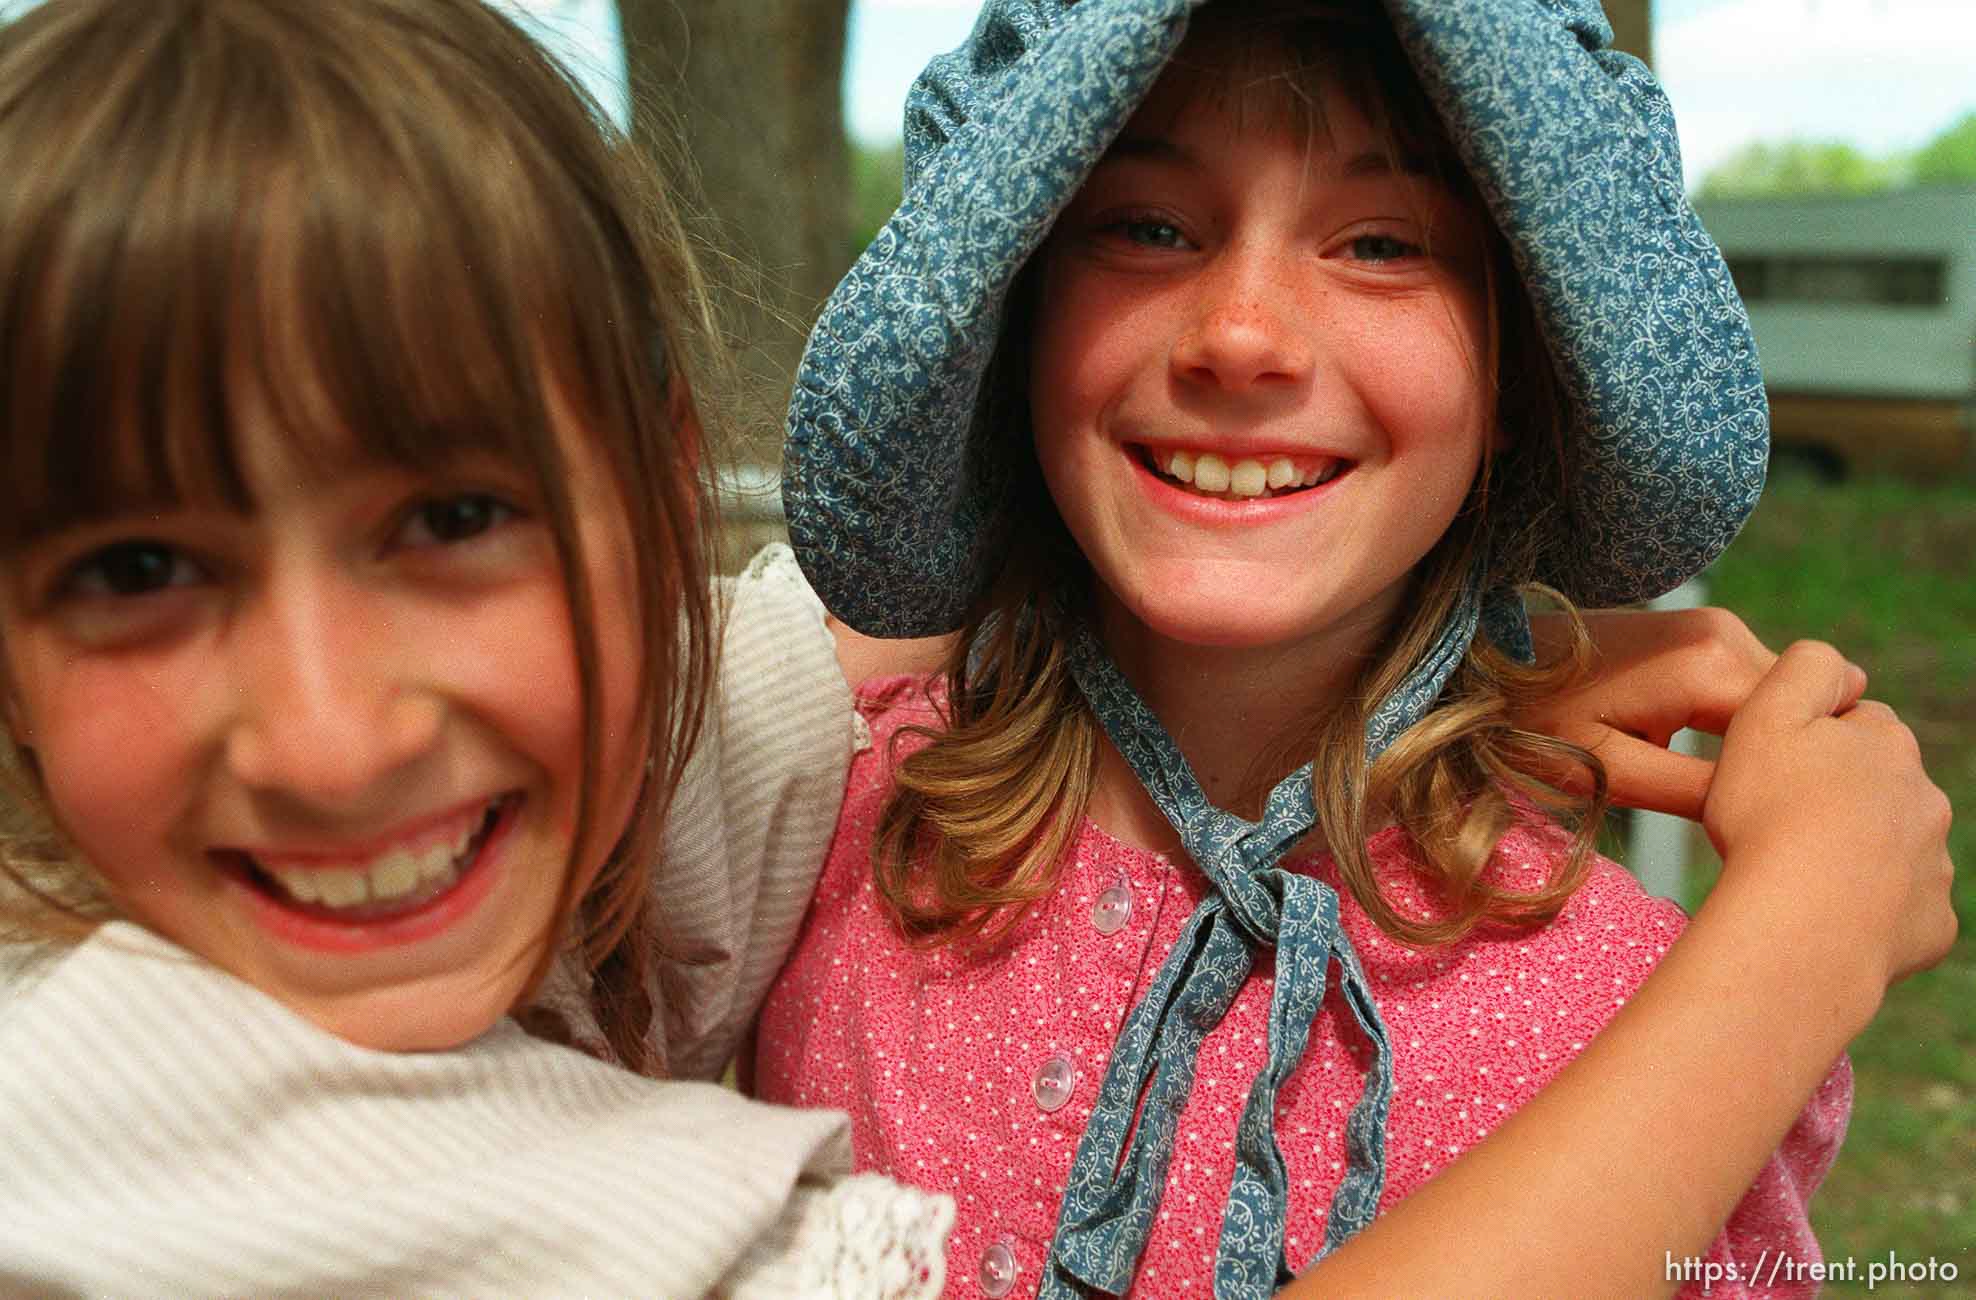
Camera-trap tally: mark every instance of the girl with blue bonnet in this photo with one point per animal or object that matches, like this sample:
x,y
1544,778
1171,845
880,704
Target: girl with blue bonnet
x,y
1227,373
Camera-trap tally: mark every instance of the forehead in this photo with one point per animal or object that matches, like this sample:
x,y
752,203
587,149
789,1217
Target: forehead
x,y
183,363
1331,78
350,236
1221,75
1191,109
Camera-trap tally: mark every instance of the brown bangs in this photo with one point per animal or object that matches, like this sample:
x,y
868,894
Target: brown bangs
x,y
280,203
1274,61
395,230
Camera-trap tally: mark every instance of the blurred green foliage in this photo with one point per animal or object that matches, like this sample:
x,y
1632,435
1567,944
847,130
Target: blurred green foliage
x,y
1796,167
1886,570
877,180
1950,158
1835,167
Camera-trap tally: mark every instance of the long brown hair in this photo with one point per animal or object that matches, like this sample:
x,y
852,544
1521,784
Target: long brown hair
x,y
400,224
982,812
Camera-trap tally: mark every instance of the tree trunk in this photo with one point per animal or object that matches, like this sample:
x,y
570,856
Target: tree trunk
x,y
756,85
1632,26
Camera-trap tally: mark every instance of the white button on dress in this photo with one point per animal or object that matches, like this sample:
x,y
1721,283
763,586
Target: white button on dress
x,y
1054,1082
997,1270
1113,909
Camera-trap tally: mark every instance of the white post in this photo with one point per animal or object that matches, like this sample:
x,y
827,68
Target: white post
x,y
1657,845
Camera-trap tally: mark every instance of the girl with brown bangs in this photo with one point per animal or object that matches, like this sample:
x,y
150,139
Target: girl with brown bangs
x,y
1214,899
360,646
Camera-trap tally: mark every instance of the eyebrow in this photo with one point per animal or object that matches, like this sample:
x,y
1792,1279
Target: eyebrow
x,y
1375,163
1370,163
1147,148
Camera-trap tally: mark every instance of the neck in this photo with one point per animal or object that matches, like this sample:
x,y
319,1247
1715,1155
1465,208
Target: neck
x,y
1233,711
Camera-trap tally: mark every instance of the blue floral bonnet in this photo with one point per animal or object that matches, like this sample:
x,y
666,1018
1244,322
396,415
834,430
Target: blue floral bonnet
x,y
1573,148
899,519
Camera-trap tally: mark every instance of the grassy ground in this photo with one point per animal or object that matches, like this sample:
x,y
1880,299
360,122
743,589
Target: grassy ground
x,y
1887,571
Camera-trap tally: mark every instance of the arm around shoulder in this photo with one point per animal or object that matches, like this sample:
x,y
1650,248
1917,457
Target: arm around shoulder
x,y
1626,1160
750,826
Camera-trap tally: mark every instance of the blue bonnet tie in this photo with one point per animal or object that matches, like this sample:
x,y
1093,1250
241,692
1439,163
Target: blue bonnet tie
x,y
897,495
1109,1201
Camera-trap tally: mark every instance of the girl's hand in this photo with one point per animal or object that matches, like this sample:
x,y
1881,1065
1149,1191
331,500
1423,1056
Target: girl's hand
x,y
1835,880
1655,672
1823,803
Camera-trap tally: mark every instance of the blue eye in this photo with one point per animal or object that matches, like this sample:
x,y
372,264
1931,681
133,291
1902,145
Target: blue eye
x,y
1383,248
133,568
1151,233
448,521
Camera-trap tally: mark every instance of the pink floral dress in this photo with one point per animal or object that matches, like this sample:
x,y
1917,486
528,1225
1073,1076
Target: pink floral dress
x,y
973,1074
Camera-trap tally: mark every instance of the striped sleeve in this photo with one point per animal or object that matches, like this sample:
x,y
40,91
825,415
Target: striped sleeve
x,y
754,816
171,1131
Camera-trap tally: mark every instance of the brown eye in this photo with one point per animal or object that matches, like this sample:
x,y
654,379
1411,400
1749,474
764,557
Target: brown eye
x,y
450,520
135,568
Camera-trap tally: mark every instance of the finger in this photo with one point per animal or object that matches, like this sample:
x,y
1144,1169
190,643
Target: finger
x,y
1855,687
1810,680
1725,674
1639,773
1870,711
1645,776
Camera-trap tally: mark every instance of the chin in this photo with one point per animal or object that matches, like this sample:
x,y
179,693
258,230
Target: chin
x,y
408,1019
1215,622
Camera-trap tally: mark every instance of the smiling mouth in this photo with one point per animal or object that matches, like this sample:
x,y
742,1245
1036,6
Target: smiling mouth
x,y
388,885
1204,473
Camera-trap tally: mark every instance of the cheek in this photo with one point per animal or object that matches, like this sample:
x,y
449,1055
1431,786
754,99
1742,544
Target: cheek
x,y
1441,402
609,556
522,676
1090,340
1075,372
115,742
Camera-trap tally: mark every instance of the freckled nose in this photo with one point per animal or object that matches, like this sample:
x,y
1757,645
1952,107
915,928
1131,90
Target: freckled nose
x,y
325,707
1239,340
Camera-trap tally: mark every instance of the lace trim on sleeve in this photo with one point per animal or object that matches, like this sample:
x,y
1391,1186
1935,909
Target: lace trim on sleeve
x,y
864,1235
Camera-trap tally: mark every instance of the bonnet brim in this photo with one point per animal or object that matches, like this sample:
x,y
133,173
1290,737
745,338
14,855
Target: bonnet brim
x,y
894,514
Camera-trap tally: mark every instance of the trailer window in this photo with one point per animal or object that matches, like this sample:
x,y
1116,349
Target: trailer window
x,y
1883,281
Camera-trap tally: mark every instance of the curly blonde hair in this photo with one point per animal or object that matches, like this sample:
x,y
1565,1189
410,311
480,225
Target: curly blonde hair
x,y
982,813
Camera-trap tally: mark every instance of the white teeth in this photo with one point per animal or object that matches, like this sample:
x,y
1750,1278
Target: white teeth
x,y
301,884
397,873
438,861
1248,478
394,875
1210,473
342,888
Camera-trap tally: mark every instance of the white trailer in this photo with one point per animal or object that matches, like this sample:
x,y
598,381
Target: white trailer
x,y
1864,310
